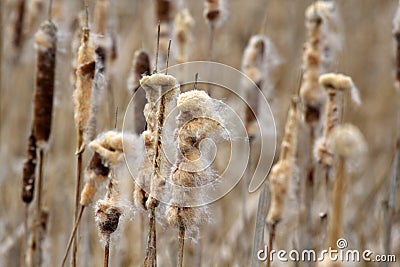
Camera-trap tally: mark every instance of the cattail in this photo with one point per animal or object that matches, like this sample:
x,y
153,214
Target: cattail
x,y
28,174
283,170
161,93
349,146
140,67
95,174
184,23
19,24
191,131
46,45
259,60
318,19
335,85
108,155
83,92
215,12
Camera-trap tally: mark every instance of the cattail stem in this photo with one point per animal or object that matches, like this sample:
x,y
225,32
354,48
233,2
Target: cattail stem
x,y
338,200
38,212
79,155
211,42
107,251
1,65
151,251
262,211
271,242
72,237
181,243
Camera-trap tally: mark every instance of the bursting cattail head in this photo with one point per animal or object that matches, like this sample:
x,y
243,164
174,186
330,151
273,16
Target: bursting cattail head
x,y
184,23
108,213
109,146
254,59
215,12
347,141
289,142
28,173
46,45
342,83
95,174
279,178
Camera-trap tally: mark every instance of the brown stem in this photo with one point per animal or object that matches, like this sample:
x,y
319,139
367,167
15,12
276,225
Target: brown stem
x,y
262,211
181,240
107,251
335,218
211,43
270,242
38,214
80,150
151,255
72,237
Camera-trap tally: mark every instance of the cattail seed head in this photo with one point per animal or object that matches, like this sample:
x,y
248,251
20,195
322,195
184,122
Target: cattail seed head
x,y
279,182
347,141
215,12
108,214
46,45
28,173
95,174
396,35
110,147
289,142
317,57
184,23
335,85
85,73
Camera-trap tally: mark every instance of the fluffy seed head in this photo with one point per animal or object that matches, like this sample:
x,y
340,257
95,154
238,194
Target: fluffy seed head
x,y
110,147
279,183
342,83
215,12
184,23
347,141
107,216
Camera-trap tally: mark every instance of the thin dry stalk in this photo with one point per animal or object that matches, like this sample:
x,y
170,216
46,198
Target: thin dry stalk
x,y
271,242
1,65
262,211
164,18
181,242
107,251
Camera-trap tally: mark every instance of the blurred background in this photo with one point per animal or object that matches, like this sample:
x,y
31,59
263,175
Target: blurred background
x,y
367,55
